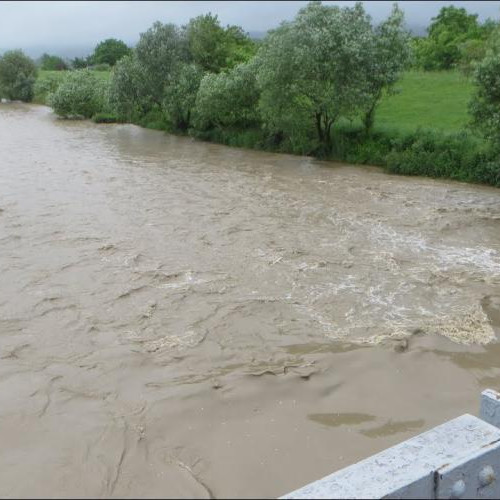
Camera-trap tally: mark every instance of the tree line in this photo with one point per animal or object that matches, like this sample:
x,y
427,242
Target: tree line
x,y
328,64
455,40
293,91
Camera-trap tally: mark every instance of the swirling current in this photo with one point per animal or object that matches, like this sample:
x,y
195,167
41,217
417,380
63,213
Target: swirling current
x,y
184,319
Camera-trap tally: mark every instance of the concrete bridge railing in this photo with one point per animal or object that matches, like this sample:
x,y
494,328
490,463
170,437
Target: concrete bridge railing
x,y
458,459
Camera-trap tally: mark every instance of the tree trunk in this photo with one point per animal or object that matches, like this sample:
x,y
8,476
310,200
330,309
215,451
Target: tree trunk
x,y
318,127
369,119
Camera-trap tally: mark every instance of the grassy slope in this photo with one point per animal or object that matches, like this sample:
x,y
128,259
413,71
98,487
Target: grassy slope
x,y
427,99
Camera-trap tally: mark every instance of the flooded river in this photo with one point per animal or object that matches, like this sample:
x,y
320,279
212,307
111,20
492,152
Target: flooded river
x,y
183,319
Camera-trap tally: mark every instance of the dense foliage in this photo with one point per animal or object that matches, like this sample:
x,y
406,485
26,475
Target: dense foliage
x,y
52,63
485,104
455,39
228,100
46,86
17,76
127,93
80,95
160,52
109,52
215,48
180,95
327,64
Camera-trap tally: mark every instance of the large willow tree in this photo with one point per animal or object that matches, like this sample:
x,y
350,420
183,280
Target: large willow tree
x,y
319,68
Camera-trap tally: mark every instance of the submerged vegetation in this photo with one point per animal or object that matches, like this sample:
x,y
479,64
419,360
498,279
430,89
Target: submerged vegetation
x,y
328,84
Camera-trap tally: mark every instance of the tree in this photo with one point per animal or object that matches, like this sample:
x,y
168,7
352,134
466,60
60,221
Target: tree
x,y
448,30
206,40
52,63
160,52
17,76
128,93
312,71
229,99
390,55
80,62
81,94
471,52
180,95
485,103
215,48
240,47
110,51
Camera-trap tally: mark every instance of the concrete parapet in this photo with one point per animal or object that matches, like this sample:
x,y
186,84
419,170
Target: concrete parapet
x,y
458,459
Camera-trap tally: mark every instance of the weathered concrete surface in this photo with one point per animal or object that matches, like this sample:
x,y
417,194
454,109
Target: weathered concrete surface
x,y
475,476
490,407
457,459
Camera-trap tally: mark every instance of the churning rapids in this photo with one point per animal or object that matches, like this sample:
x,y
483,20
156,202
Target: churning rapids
x,y
185,319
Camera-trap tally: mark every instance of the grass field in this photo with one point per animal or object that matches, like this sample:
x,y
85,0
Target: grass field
x,y
435,100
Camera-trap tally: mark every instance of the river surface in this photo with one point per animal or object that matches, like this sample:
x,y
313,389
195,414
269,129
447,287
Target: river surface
x,y
184,319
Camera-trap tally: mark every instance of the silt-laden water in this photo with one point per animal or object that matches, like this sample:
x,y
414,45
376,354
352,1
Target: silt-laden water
x,y
183,319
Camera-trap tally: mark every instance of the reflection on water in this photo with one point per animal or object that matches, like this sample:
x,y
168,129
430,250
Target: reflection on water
x,y
336,419
171,312
391,427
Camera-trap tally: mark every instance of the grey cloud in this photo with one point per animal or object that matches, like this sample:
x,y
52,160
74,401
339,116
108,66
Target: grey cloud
x,y
74,27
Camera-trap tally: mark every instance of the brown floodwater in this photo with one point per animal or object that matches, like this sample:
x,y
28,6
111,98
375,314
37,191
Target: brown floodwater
x,y
184,319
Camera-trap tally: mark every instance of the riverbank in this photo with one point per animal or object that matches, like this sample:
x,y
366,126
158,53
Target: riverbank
x,y
434,100
420,129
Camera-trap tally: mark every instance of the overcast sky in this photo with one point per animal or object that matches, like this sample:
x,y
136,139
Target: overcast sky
x,y
72,27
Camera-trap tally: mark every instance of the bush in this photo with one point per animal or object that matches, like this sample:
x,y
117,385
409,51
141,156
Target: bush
x,y
104,118
456,156
17,76
228,100
101,67
154,119
249,138
46,85
353,145
80,95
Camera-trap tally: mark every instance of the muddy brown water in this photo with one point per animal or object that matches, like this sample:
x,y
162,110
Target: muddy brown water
x,y
183,319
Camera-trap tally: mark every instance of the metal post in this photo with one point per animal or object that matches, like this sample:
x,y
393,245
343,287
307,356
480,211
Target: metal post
x,y
490,407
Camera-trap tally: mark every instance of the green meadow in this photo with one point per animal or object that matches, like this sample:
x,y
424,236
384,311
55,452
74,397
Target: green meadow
x,y
431,100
